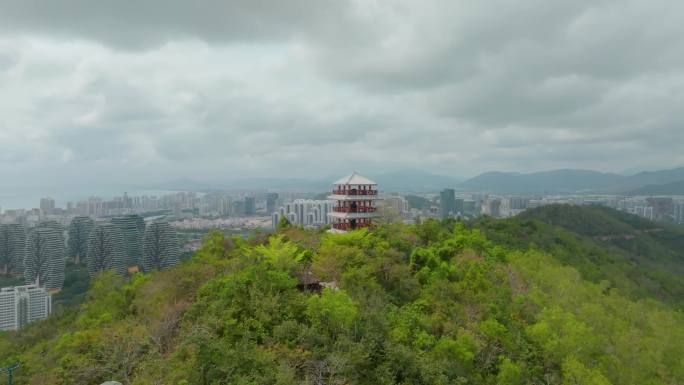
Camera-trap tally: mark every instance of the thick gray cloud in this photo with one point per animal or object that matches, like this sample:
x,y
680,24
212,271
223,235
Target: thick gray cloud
x,y
151,90
139,24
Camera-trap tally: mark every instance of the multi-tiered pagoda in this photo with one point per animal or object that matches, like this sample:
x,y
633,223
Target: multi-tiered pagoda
x,y
354,200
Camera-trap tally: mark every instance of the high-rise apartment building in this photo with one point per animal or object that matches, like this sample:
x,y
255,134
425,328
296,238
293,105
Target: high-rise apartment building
x,y
79,231
492,207
126,201
45,257
271,199
12,248
662,207
397,203
447,205
21,305
132,228
47,206
678,215
518,203
106,249
224,206
161,249
95,207
250,206
459,204
645,212
513,206
304,212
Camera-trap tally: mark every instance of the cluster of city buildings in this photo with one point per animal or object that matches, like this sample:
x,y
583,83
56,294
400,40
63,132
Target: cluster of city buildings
x,y
190,213
39,255
312,213
665,208
670,209
304,212
38,250
203,223
178,204
468,205
109,234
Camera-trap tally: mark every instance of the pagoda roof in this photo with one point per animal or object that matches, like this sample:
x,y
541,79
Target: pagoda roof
x,y
355,179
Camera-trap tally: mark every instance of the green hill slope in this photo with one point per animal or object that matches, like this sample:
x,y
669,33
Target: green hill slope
x,y
646,240
672,188
640,257
435,303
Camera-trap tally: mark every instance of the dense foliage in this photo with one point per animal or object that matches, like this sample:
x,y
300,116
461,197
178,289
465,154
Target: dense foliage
x,y
435,303
418,202
641,258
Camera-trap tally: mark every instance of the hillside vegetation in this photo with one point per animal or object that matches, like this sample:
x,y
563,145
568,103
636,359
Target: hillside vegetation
x,y
435,303
641,258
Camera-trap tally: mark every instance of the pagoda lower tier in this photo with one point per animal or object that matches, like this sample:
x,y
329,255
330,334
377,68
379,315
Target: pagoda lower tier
x,y
347,224
350,214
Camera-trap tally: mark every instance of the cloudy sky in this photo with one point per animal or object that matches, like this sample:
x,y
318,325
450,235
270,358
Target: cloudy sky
x,y
153,90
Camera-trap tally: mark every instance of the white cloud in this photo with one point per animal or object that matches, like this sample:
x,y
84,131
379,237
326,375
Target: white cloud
x,y
168,89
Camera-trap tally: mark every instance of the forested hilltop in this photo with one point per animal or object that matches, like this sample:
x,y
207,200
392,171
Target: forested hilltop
x,y
560,295
640,257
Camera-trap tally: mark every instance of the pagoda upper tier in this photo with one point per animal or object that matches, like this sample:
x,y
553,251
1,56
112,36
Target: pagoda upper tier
x,y
354,187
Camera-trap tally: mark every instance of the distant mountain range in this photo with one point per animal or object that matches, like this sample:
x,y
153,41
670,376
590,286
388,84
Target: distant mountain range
x,y
663,182
576,181
674,188
542,182
415,180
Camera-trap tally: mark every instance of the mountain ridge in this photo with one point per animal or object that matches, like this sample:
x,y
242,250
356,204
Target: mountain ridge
x,y
405,180
560,181
569,181
672,188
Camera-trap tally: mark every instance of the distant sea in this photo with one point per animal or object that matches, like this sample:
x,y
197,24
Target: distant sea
x,y
29,197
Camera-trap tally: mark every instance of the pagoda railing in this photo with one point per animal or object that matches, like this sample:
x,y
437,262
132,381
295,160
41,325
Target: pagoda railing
x,y
354,210
347,226
354,192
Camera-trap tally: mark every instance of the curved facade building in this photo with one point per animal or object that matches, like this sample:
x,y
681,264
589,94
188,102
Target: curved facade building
x,y
12,249
133,229
106,249
161,249
79,230
45,257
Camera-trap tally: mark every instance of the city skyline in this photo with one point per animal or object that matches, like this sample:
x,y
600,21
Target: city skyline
x,y
400,181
